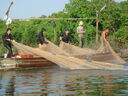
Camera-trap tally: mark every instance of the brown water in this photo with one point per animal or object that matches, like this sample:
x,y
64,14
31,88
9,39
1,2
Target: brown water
x,y
59,82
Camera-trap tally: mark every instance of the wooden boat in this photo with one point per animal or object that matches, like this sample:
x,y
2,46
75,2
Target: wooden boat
x,y
24,62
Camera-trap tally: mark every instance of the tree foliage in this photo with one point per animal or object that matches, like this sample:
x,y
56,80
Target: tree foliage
x,y
115,15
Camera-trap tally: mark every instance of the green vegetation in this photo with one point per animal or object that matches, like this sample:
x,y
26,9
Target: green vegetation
x,y
115,16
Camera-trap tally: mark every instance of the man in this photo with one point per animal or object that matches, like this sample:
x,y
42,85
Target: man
x,y
105,34
104,47
81,33
7,39
40,38
65,37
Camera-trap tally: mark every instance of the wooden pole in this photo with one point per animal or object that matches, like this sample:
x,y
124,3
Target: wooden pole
x,y
27,19
7,13
55,35
97,22
97,26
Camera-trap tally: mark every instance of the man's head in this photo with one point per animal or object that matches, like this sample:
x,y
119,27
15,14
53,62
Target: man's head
x,y
9,30
81,23
43,30
107,30
67,31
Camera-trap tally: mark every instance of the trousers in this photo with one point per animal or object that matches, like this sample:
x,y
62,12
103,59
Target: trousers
x,y
9,48
81,42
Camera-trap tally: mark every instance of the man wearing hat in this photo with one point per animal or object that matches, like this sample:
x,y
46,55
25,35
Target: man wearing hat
x,y
81,33
40,38
65,37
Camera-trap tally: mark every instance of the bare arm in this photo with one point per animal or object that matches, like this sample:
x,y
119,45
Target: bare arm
x,y
10,40
61,38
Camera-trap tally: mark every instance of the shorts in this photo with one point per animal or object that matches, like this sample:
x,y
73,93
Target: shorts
x,y
41,42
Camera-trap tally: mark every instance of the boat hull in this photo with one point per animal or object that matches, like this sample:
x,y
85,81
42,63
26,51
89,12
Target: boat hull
x,y
11,63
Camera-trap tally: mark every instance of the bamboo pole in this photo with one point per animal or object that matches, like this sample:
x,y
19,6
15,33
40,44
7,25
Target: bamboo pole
x,y
55,35
26,19
97,22
97,26
7,13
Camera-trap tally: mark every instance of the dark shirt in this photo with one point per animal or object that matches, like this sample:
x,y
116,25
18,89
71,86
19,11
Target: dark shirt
x,y
65,38
5,37
40,36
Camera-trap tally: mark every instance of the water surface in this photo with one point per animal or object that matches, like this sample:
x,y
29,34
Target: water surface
x,y
59,82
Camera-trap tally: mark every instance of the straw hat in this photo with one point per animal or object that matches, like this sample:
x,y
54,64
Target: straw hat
x,y
81,23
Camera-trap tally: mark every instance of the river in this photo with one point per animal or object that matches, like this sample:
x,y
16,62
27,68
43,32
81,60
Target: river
x,y
59,82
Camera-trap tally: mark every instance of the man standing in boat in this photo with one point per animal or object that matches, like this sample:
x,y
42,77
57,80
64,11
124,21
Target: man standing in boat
x,y
81,33
7,41
65,37
40,38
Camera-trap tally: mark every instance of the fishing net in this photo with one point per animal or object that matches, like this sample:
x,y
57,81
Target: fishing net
x,y
114,56
52,48
65,61
76,51
22,51
105,53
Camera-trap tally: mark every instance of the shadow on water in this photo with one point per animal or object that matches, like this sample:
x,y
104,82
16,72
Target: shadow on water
x,y
59,82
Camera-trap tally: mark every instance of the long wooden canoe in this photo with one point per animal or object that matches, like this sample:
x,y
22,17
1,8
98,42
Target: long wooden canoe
x,y
33,62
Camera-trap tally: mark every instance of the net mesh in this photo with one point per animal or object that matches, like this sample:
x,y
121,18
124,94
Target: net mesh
x,y
105,53
63,60
52,48
76,51
116,58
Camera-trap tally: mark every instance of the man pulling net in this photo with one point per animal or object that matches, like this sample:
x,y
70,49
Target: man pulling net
x,y
7,42
108,53
65,37
41,39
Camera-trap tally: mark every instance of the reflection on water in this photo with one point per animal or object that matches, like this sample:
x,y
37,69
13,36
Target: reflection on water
x,y
58,82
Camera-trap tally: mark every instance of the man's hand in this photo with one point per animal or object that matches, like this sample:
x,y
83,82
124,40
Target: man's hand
x,y
45,42
105,40
13,41
61,38
8,39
